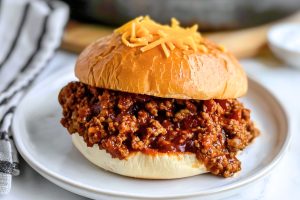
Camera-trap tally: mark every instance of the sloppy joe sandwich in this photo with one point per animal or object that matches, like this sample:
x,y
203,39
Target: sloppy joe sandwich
x,y
158,102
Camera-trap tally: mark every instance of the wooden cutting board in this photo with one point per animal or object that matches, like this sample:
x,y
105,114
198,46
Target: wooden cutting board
x,y
243,43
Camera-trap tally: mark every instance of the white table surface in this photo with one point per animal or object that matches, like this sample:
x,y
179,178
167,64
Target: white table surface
x,y
284,182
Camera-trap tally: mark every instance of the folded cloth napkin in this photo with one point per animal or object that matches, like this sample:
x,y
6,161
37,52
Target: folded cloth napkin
x,y
30,33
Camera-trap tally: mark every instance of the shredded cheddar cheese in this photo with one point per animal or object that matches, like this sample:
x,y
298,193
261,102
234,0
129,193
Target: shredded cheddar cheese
x,y
147,34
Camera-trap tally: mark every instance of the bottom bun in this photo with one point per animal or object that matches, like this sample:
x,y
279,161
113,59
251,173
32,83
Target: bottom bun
x,y
141,165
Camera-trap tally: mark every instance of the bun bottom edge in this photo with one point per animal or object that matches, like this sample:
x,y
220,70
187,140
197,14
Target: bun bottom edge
x,y
141,165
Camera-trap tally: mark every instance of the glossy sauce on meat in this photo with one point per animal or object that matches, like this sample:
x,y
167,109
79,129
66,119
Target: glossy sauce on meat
x,y
120,123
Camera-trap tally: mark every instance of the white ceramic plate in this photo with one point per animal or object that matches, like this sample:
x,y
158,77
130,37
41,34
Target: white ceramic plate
x,y
47,147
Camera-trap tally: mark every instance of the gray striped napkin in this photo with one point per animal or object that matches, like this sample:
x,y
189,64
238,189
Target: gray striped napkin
x,y
30,33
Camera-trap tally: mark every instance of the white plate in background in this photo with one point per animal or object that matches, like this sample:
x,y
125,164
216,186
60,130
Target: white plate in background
x,y
284,41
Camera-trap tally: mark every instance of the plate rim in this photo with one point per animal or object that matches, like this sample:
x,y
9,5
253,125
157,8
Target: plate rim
x,y
75,185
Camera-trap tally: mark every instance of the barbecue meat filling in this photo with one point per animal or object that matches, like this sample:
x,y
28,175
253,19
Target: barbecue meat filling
x,y
121,123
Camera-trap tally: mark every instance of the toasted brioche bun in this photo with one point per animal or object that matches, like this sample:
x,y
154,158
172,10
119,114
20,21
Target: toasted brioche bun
x,y
140,165
108,63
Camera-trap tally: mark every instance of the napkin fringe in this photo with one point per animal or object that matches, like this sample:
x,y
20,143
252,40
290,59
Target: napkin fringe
x,y
34,36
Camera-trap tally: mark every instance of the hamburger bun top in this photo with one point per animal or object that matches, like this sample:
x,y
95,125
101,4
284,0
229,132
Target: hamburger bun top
x,y
145,57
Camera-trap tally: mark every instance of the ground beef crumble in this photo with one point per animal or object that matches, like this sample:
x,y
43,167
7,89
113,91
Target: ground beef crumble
x,y
120,123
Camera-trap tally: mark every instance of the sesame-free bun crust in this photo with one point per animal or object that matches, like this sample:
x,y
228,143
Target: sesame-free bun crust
x,y
140,165
185,74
